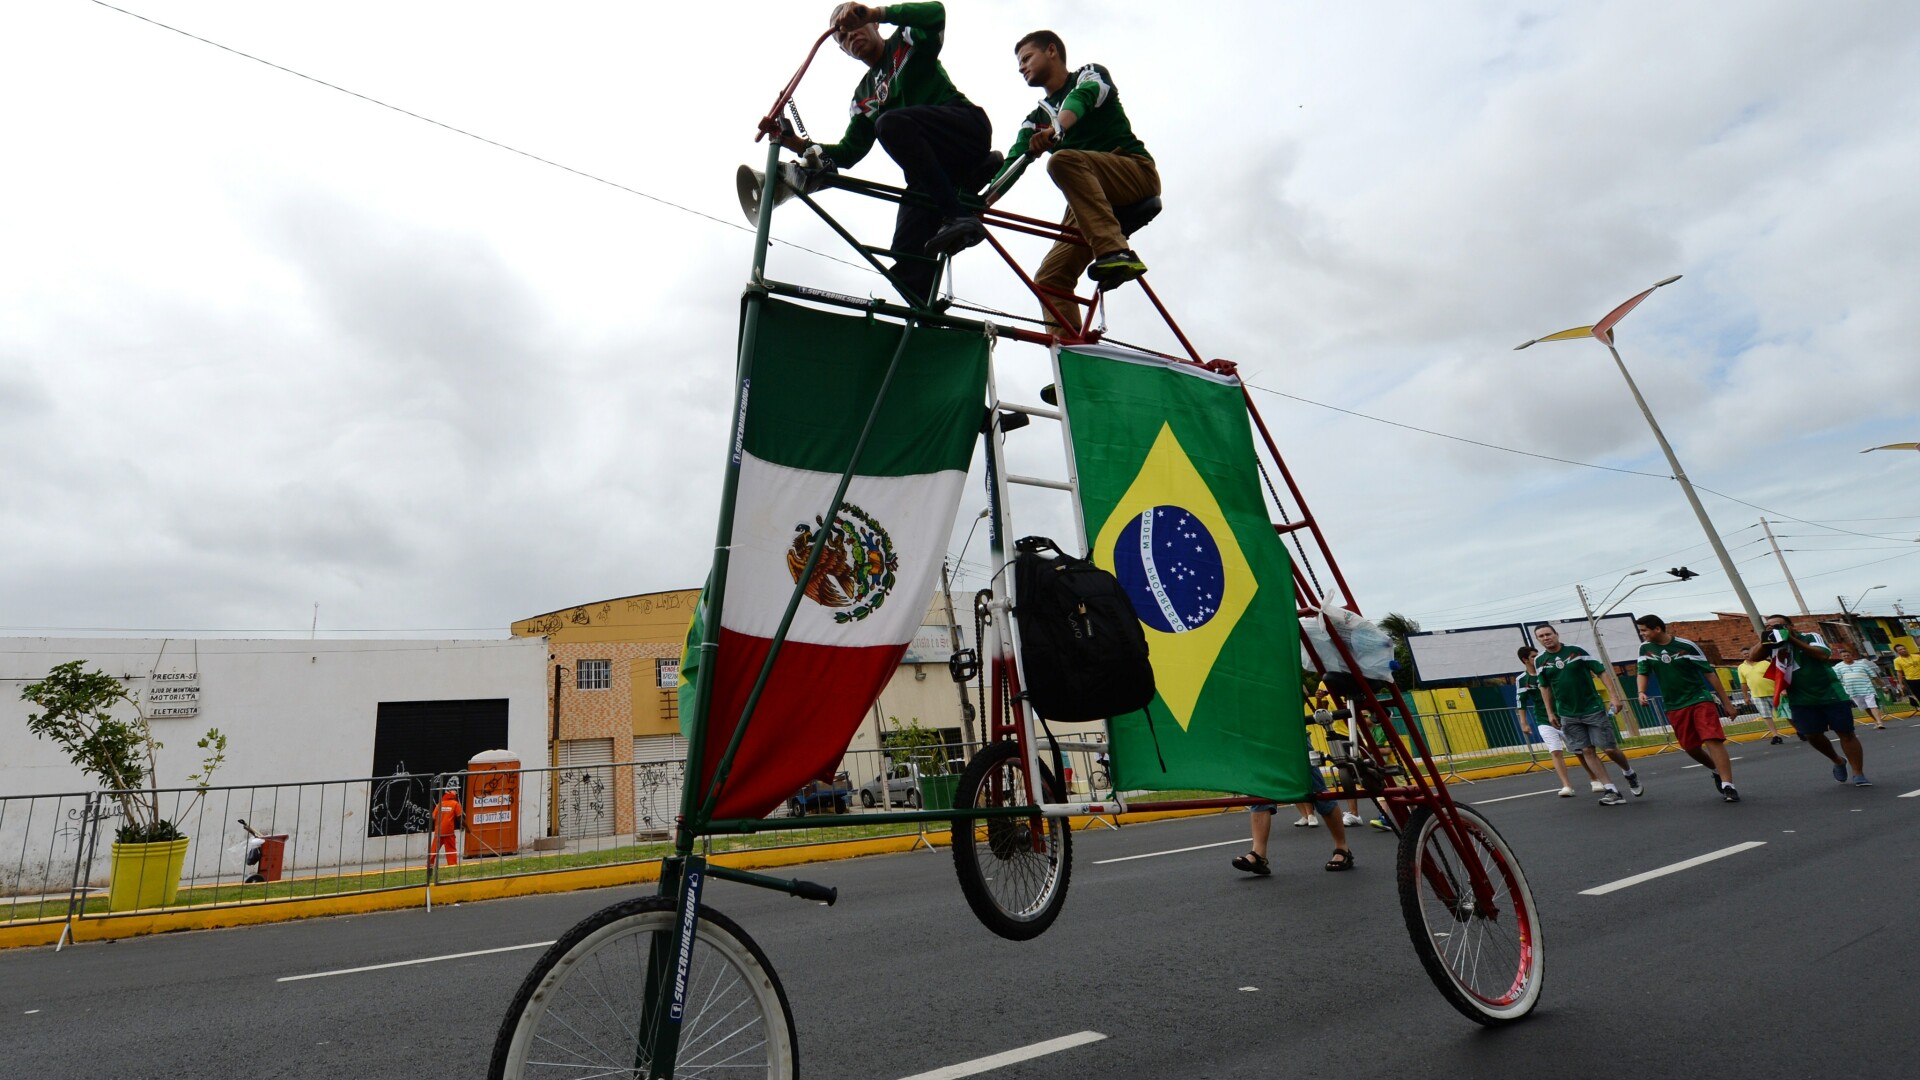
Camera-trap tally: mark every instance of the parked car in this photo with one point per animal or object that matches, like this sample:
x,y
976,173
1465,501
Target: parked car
x,y
902,784
821,797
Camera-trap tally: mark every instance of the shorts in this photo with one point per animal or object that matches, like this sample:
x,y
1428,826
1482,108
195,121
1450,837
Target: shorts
x,y
1322,807
1866,701
1556,742
1834,716
1592,730
1695,724
1764,706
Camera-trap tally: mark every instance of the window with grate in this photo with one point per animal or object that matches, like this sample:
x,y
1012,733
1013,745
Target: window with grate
x,y
593,675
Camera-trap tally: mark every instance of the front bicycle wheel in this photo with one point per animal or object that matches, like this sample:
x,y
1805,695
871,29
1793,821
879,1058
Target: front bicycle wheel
x,y
584,1009
1013,876
1487,960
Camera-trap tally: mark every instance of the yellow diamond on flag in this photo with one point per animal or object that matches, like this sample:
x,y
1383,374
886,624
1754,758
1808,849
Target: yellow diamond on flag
x,y
1171,548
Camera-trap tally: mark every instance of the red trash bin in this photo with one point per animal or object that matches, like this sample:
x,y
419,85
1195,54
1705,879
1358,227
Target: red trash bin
x,y
273,852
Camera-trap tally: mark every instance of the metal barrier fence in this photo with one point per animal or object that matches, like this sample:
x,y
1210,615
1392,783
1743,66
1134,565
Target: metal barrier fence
x,y
373,833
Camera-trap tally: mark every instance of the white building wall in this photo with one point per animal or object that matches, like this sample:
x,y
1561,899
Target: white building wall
x,y
293,712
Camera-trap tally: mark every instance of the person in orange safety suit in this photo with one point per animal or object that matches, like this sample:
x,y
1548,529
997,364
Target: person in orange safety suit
x,y
448,817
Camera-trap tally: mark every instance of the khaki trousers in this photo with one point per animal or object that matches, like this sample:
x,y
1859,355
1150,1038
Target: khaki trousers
x,y
1094,183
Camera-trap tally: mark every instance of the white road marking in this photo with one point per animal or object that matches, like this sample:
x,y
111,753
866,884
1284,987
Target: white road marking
x,y
1911,795
1010,1057
1526,795
1684,864
1246,989
410,963
30,1012
1157,854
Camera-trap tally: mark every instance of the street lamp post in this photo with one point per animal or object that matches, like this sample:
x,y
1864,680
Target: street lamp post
x,y
1602,332
1851,612
1612,677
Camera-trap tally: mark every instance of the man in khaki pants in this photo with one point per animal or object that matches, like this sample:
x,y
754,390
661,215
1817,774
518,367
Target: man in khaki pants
x,y
1097,163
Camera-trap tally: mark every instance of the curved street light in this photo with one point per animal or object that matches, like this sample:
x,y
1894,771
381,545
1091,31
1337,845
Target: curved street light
x,y
1602,332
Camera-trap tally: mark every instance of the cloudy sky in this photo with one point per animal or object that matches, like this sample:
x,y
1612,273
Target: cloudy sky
x,y
264,344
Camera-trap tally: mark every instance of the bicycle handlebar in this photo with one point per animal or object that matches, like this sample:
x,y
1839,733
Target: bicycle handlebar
x,y
773,114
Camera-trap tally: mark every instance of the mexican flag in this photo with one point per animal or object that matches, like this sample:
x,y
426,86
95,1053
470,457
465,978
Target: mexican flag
x,y
1170,495
806,394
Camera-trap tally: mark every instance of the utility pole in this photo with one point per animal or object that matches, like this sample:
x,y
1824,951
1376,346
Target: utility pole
x,y
1612,678
953,645
1791,584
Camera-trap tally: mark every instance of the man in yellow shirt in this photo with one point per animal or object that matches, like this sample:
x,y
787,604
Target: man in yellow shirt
x,y
1906,672
1753,676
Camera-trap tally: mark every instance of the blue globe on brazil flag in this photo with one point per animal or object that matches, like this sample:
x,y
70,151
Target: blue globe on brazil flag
x,y
1170,566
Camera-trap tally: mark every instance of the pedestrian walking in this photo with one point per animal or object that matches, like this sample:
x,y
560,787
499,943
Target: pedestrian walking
x,y
1688,687
1761,691
1857,679
1804,664
1534,719
448,817
1566,681
1906,674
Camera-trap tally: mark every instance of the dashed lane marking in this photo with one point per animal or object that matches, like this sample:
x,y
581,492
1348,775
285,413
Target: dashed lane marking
x,y
1010,1057
1684,864
1174,851
410,963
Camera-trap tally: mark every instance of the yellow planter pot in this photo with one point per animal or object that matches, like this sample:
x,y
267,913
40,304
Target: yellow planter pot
x,y
145,875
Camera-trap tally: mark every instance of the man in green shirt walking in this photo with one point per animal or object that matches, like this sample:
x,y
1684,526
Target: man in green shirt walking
x,y
1097,163
1688,687
941,141
1566,680
1820,705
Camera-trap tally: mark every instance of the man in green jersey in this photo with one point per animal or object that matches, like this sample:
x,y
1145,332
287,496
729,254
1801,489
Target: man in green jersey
x,y
1688,684
1566,681
941,141
1820,704
1097,163
1534,716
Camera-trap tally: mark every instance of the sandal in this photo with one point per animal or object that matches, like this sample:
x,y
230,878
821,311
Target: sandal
x,y
1342,859
1253,863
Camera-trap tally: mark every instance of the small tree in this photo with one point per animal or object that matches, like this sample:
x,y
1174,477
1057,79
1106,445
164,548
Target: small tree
x,y
77,715
909,743
1399,627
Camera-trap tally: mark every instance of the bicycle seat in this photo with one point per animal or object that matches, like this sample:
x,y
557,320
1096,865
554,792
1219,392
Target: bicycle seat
x,y
1134,216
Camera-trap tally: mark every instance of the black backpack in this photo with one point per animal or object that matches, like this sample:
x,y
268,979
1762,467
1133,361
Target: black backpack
x,y
1083,653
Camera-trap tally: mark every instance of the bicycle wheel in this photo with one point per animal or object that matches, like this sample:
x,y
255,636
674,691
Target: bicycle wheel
x,y
579,1011
1488,963
1011,887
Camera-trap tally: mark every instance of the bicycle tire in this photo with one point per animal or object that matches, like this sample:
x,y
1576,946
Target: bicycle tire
x,y
1488,965
737,1016
1015,891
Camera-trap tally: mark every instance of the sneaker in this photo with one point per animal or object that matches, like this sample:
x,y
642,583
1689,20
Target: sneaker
x,y
1116,268
1727,793
1566,793
1862,781
1840,773
1376,823
1306,822
1611,797
1633,784
1598,787
1352,819
956,234
1777,740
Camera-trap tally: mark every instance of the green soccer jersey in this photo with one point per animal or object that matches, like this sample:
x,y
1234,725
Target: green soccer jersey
x,y
1680,668
910,73
1526,687
1102,125
1813,681
1568,675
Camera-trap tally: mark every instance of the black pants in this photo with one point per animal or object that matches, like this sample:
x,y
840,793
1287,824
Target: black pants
x,y
935,146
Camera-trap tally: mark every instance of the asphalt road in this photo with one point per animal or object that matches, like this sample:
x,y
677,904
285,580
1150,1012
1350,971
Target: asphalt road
x,y
1795,958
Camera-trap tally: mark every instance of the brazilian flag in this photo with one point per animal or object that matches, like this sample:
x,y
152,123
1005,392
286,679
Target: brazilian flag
x,y
1170,495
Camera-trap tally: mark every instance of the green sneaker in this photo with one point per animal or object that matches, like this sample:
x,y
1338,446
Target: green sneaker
x,y
1116,268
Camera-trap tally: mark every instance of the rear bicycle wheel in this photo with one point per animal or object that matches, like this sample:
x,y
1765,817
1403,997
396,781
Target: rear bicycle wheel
x,y
582,1010
1014,885
1487,962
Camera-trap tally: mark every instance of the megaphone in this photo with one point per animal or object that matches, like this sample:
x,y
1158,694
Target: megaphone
x,y
794,176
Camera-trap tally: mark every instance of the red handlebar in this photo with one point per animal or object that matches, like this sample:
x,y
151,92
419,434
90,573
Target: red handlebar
x,y
773,115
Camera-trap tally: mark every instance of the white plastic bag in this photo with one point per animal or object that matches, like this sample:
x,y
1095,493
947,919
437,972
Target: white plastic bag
x,y
1371,646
